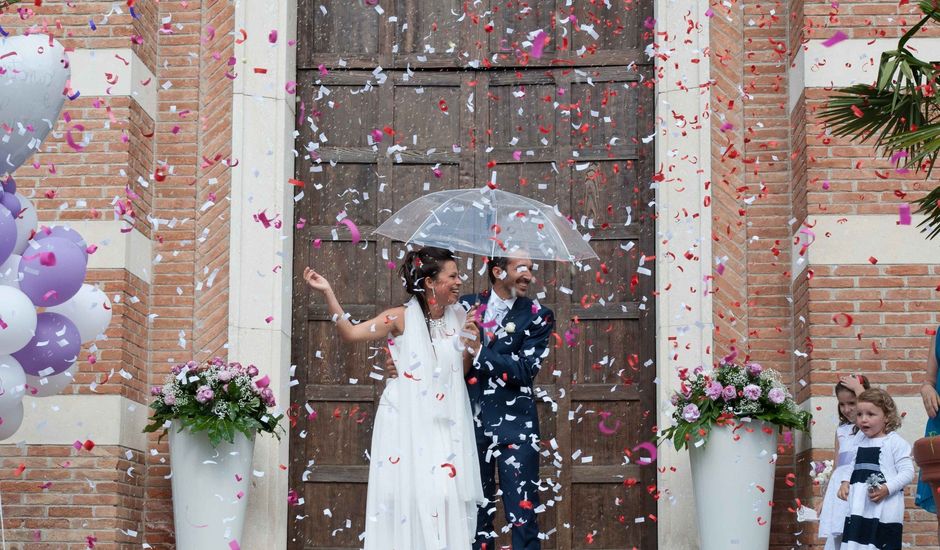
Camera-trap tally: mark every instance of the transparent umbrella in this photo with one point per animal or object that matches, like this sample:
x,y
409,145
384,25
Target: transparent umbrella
x,y
488,222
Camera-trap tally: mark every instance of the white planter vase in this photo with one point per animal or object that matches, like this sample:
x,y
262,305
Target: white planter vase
x,y
732,512
210,489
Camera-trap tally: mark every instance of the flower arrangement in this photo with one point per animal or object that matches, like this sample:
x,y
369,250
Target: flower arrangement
x,y
216,397
820,471
733,391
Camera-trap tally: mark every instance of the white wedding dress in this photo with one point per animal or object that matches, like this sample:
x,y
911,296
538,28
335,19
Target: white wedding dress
x,y
424,474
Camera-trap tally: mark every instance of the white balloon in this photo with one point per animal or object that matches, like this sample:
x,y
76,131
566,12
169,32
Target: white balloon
x,y
12,381
26,223
18,313
9,271
45,386
10,420
30,94
89,309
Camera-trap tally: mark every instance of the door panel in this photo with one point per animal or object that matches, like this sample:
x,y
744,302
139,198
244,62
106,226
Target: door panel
x,y
570,130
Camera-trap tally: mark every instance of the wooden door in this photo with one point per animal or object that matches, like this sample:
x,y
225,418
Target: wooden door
x,y
566,129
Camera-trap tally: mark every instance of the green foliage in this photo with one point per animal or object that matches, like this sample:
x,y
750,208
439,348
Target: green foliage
x,y
218,398
732,392
900,111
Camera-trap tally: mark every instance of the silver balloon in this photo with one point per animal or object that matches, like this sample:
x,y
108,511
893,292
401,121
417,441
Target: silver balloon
x,y
44,386
89,309
12,382
26,222
31,94
19,320
10,420
9,271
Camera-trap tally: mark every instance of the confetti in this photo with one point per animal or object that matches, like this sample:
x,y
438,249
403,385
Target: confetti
x,y
839,36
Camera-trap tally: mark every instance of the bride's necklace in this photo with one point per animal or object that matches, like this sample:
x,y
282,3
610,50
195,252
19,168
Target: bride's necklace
x,y
436,324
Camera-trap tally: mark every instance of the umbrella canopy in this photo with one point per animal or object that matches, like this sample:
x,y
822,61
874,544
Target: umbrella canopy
x,y
488,222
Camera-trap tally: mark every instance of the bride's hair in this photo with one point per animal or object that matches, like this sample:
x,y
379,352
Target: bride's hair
x,y
420,265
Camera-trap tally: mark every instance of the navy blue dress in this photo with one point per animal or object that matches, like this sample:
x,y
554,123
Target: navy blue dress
x,y
924,494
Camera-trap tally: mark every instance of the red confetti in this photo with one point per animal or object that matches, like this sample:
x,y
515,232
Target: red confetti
x,y
842,319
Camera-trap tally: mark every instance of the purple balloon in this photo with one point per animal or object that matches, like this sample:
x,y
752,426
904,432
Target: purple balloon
x,y
11,203
63,232
55,346
9,185
52,271
7,234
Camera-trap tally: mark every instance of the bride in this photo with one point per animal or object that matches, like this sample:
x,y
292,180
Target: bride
x,y
424,473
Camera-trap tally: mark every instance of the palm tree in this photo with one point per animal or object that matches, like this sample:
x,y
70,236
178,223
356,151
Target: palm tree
x,y
901,110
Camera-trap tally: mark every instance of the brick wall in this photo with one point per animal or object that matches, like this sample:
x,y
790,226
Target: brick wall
x,y
193,139
729,235
892,306
109,492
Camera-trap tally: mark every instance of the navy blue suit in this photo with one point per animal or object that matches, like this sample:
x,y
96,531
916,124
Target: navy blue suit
x,y
501,388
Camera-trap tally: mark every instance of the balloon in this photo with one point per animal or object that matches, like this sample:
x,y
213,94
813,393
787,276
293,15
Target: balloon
x,y
10,420
26,221
35,73
7,234
19,315
10,201
89,309
64,232
50,385
10,271
52,271
12,382
54,347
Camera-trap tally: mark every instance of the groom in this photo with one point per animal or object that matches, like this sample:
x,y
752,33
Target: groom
x,y
508,354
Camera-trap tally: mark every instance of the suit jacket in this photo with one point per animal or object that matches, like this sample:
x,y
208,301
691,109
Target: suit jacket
x,y
501,382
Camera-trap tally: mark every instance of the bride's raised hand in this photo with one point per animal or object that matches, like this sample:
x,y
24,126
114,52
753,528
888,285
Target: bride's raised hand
x,y
316,281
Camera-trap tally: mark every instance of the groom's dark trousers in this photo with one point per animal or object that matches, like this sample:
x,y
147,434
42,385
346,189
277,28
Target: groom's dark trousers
x,y
518,467
501,389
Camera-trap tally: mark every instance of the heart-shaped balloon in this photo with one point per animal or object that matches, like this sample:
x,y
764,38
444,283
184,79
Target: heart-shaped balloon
x,y
33,76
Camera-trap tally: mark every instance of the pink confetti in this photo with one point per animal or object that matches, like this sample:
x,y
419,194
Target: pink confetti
x,y
604,428
233,545
904,214
71,141
353,230
649,447
538,43
47,259
272,36
839,36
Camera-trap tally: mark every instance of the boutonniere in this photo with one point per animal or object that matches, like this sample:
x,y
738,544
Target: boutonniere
x,y
510,327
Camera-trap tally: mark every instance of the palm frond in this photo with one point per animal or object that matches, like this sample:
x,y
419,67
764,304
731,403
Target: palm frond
x,y
900,111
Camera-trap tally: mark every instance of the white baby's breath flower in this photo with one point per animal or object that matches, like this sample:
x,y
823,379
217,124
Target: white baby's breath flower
x,y
510,328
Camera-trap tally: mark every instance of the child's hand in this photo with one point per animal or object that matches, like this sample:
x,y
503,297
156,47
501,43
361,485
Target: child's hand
x,y
852,382
844,490
878,494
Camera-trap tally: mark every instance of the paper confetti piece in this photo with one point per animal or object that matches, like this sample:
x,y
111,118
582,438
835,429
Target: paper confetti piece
x,y
839,36
904,214
353,230
538,43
